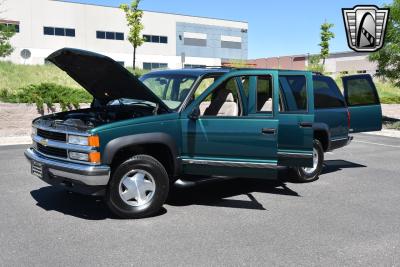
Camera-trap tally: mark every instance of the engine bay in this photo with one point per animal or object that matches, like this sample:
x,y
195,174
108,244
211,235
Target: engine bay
x,y
83,120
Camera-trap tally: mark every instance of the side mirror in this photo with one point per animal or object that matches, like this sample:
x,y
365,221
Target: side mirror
x,y
195,114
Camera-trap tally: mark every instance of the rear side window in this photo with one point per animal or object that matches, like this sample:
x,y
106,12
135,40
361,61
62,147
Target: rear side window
x,y
294,89
360,91
326,93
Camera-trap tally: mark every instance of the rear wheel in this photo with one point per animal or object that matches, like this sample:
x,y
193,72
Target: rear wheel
x,y
138,188
309,174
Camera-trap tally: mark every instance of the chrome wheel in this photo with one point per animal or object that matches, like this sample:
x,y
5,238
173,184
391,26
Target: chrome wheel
x,y
137,188
310,170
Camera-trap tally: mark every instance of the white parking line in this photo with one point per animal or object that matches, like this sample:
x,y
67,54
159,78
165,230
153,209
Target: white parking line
x,y
372,143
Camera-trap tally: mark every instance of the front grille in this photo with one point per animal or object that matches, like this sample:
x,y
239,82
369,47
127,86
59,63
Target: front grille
x,y
52,151
52,135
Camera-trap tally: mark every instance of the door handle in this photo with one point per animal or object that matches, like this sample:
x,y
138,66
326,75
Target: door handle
x,y
306,124
268,131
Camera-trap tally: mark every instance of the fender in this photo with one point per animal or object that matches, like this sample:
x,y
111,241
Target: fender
x,y
141,139
320,126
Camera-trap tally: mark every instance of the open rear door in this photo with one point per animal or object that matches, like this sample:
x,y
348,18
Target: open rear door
x,y
363,102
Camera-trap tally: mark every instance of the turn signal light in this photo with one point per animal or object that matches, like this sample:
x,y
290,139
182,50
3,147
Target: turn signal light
x,y
94,157
94,141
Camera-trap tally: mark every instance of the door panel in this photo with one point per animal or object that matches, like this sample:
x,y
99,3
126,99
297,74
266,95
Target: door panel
x,y
363,103
223,146
239,146
296,118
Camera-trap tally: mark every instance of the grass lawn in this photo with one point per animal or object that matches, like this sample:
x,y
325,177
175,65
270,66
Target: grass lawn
x,y
13,76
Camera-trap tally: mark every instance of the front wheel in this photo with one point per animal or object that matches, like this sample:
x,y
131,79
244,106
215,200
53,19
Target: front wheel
x,y
138,188
309,174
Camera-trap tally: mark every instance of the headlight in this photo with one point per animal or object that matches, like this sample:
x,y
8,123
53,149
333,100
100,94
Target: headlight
x,y
78,140
93,141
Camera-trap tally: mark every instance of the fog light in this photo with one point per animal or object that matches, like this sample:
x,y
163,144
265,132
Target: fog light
x,y
79,156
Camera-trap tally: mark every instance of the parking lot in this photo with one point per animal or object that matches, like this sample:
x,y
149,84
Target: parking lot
x,y
350,216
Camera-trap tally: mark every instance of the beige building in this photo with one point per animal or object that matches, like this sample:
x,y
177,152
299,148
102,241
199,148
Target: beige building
x,y
47,25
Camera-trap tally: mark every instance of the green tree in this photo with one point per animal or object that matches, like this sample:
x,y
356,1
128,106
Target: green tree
x,y
326,36
314,64
6,32
134,20
388,58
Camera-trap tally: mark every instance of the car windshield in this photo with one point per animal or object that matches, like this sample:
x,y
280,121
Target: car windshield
x,y
172,89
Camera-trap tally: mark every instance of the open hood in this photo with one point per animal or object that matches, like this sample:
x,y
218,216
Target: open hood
x,y
101,76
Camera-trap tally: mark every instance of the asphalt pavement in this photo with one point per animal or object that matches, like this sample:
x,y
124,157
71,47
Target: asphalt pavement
x,y
350,216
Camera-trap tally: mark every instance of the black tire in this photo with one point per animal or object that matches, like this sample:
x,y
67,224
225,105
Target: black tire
x,y
306,177
160,180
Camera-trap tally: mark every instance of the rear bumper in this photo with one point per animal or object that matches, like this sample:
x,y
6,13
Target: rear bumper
x,y
77,177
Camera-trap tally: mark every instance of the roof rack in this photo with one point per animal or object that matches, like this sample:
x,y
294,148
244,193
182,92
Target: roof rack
x,y
210,67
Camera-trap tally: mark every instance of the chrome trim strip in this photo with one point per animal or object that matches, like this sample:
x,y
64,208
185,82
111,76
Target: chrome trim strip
x,y
295,155
222,163
62,145
86,174
69,132
340,139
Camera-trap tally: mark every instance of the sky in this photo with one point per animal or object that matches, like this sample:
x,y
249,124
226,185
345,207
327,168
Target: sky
x,y
276,28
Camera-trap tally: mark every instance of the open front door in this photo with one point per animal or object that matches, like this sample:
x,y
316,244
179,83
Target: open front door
x,y
225,134
363,102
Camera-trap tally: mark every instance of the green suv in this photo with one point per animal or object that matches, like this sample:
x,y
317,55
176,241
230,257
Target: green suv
x,y
140,136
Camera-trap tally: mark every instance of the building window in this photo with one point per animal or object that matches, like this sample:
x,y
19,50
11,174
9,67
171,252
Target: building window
x,y
152,66
231,42
13,26
155,39
194,66
110,35
59,31
194,39
361,71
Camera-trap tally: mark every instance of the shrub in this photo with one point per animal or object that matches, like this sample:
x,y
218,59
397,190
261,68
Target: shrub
x,y
49,94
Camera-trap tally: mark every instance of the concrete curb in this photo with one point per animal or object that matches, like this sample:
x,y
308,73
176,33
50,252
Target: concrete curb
x,y
15,140
386,132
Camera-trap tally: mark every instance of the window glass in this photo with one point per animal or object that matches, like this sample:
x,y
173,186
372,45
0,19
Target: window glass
x,y
155,39
245,84
360,92
70,32
172,89
163,39
100,35
110,35
294,89
119,36
264,94
326,93
147,38
223,101
48,30
59,31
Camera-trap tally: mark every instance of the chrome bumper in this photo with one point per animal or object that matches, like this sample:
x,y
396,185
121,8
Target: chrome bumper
x,y
84,174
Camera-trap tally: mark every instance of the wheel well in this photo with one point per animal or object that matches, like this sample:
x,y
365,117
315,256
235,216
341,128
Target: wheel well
x,y
322,137
160,152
